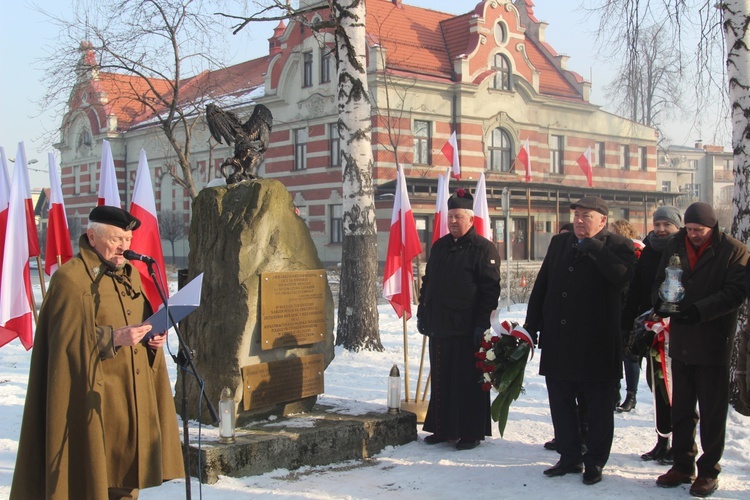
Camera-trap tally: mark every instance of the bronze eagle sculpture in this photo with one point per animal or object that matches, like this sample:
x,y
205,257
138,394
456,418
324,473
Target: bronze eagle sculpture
x,y
250,139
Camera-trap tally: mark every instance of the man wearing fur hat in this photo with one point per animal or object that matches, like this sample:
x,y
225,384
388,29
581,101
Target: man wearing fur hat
x,y
99,419
575,307
460,289
701,337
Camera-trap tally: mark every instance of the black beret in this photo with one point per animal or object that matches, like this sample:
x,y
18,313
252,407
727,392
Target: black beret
x,y
461,199
592,203
114,216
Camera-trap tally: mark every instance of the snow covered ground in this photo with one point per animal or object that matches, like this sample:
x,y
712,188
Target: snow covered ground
x,y
500,468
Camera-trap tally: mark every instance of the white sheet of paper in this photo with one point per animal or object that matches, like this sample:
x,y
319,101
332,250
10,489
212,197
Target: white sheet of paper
x,y
181,304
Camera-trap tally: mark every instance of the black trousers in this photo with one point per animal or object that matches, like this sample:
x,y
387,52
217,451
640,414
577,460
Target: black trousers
x,y
600,399
708,386
458,407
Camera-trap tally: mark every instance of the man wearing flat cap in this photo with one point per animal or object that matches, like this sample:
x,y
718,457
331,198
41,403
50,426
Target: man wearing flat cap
x,y
460,289
575,306
99,420
701,335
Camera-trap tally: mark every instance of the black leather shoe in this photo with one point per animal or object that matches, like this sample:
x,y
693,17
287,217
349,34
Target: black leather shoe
x,y
434,439
592,475
628,404
550,445
667,459
560,469
467,444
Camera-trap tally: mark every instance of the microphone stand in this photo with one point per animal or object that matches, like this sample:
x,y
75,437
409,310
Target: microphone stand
x,y
184,359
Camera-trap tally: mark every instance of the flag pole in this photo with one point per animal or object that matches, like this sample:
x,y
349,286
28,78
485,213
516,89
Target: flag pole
x,y
426,385
406,359
40,268
424,338
32,303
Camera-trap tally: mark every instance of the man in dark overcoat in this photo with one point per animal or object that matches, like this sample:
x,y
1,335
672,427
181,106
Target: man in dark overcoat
x,y
99,420
701,336
575,306
460,289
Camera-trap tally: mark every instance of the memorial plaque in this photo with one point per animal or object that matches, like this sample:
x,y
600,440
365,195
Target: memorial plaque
x,y
266,384
292,308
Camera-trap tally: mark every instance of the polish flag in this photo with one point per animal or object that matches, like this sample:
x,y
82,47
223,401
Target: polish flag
x,y
482,222
450,150
440,226
147,239
4,198
584,161
525,158
58,235
403,246
15,290
22,171
109,193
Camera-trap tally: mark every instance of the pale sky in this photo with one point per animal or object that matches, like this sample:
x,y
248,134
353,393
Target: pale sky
x,y
26,35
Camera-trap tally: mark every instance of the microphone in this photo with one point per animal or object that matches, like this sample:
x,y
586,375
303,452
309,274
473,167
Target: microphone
x,y
131,255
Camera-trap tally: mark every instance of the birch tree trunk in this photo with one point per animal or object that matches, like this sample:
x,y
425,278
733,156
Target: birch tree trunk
x,y
736,17
358,312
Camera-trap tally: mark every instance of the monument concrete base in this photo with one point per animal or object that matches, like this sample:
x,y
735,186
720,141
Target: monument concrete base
x,y
323,436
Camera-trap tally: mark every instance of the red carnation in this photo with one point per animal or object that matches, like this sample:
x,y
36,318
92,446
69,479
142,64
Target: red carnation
x,y
486,387
487,368
486,345
495,339
481,355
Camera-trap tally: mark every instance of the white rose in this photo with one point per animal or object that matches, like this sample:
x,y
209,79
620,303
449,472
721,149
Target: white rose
x,y
487,377
490,355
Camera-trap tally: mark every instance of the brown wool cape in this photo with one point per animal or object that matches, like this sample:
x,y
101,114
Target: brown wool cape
x,y
95,417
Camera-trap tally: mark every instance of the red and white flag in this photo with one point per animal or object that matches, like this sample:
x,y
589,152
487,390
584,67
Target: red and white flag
x,y
58,234
147,239
109,193
440,225
524,157
584,161
482,222
4,199
450,150
15,290
22,171
403,246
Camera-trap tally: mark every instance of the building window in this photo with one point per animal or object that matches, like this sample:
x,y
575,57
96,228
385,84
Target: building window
x,y
501,66
666,186
643,154
337,223
501,33
556,154
77,179
326,63
728,164
300,149
307,69
693,164
696,191
422,142
335,146
501,148
600,155
624,157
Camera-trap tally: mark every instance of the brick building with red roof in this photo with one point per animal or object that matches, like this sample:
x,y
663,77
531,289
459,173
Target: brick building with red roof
x,y
488,74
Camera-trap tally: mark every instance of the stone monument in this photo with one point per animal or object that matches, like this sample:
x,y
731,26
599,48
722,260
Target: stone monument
x,y
248,241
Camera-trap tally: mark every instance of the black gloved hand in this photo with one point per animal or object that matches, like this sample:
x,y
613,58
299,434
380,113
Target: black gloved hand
x,y
478,335
590,246
658,311
689,316
421,326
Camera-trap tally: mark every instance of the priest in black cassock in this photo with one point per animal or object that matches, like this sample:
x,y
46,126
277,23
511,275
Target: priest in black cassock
x,y
460,289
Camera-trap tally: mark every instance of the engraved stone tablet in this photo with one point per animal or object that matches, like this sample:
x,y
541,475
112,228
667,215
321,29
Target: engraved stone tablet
x,y
292,307
266,384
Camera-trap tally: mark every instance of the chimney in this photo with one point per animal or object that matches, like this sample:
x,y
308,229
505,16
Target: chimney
x,y
698,144
397,3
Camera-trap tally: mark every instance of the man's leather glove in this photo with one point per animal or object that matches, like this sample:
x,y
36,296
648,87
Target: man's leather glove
x,y
534,335
421,326
690,316
590,246
478,335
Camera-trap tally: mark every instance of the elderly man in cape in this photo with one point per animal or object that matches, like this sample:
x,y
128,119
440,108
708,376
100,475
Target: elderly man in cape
x,y
99,420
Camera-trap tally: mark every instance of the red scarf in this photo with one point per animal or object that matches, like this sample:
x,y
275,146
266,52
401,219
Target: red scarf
x,y
693,254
